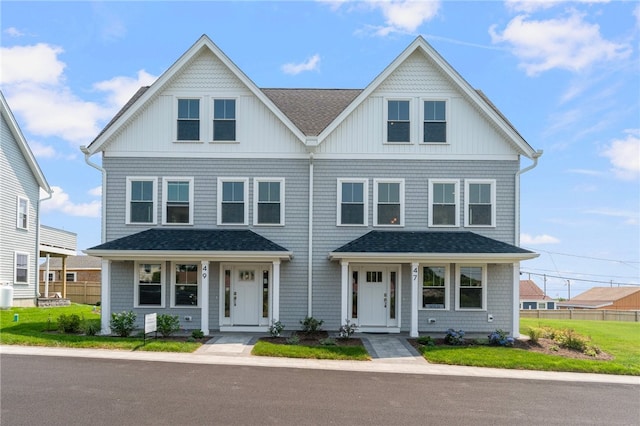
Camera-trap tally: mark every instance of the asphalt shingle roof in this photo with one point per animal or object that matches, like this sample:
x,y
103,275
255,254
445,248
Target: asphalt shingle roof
x,y
193,240
428,242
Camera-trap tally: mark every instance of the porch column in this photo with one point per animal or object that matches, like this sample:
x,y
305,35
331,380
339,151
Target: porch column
x,y
105,297
275,302
46,278
515,331
204,298
344,301
64,277
413,332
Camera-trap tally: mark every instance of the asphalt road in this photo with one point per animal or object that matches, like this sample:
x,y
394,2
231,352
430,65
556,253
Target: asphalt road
x,y
39,390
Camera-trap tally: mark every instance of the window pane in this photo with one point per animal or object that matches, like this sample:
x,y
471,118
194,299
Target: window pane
x,y
388,214
71,277
141,212
149,273
433,276
186,295
480,193
444,193
398,110
232,212
177,213
398,131
435,110
471,298
269,213
178,191
142,190
22,261
354,294
188,130
150,294
352,214
435,132
388,192
224,130
479,214
186,284
433,298
444,214
269,191
352,192
224,109
233,191
471,277
189,108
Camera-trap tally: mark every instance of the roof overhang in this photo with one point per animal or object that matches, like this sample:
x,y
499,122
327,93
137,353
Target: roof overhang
x,y
584,305
431,257
236,256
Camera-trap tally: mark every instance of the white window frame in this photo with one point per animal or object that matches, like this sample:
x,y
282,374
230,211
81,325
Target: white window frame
x,y
202,113
491,182
376,182
211,118
447,284
222,180
52,276
484,286
74,278
130,180
173,284
15,266
256,194
19,214
386,120
446,116
365,198
136,286
432,183
165,193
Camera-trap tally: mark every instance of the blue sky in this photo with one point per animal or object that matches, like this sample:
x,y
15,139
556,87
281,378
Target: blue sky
x,y
565,73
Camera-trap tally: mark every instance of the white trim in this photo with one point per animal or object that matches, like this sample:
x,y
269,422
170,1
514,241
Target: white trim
x,y
212,111
376,182
19,199
415,299
456,182
74,279
198,283
213,256
15,266
491,182
346,299
483,267
130,180
245,195
447,285
201,111
365,199
421,121
165,182
256,194
105,296
515,309
136,283
385,120
274,309
205,273
470,258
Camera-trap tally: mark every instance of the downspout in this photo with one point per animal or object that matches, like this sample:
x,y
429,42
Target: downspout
x,y
37,291
87,154
310,248
536,155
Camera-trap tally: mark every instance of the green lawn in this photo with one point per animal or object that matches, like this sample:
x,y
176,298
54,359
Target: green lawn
x,y
354,353
37,327
619,339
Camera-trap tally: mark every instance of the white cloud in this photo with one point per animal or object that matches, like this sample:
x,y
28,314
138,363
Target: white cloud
x,y
568,43
60,202
532,240
624,155
97,191
121,89
13,32
636,13
310,65
35,64
536,5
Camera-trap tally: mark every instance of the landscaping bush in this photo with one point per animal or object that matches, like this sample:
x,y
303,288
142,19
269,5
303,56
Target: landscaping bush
x,y
276,328
69,323
311,325
425,341
197,334
123,323
454,337
500,338
168,324
347,330
91,327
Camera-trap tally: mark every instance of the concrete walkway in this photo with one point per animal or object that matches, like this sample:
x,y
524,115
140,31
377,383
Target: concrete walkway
x,y
390,354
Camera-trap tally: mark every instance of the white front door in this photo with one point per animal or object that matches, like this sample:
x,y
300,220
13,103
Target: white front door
x,y
376,302
245,307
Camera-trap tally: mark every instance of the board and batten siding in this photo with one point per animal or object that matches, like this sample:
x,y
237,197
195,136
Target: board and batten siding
x,y
17,180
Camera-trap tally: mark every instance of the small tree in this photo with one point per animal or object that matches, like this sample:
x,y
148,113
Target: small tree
x,y
168,324
123,323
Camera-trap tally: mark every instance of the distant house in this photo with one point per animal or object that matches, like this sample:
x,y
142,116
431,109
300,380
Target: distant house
x,y
79,280
22,238
615,298
532,297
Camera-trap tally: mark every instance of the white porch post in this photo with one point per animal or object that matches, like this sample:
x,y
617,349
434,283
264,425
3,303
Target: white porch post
x,y
46,278
105,297
515,332
204,298
413,332
275,302
344,302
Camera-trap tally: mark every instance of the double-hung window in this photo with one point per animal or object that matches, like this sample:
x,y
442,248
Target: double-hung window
x,y
352,201
141,200
398,121
388,199
224,120
71,277
188,125
22,213
268,197
149,287
232,201
480,203
177,201
435,287
443,205
471,287
21,268
434,128
185,283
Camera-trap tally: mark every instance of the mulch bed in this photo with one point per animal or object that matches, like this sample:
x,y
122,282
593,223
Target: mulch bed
x,y
313,339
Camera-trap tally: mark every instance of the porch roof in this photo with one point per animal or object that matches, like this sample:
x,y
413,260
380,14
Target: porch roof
x,y
426,245
189,243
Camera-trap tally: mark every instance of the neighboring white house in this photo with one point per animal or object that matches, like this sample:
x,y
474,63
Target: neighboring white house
x,y
394,207
22,240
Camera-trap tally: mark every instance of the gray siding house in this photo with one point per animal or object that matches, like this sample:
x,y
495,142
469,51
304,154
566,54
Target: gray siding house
x,y
394,207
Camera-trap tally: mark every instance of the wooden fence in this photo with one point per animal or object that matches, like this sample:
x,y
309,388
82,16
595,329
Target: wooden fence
x,y
582,314
86,292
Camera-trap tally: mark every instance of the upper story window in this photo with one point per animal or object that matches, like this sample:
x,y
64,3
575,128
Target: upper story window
x,y
141,200
398,121
471,288
232,201
149,287
388,198
435,287
480,203
352,201
177,201
443,205
268,201
224,119
188,120
21,268
22,215
435,122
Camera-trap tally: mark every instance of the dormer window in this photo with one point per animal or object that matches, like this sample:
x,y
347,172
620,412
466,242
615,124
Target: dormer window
x,y
224,119
188,120
398,122
435,122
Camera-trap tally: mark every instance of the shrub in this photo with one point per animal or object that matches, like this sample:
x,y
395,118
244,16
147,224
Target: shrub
x,y
500,338
91,327
454,337
426,341
276,328
347,330
168,324
123,323
69,323
535,333
197,334
327,342
293,340
311,325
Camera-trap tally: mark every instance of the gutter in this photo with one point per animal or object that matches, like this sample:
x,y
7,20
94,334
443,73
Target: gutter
x,y
87,154
37,289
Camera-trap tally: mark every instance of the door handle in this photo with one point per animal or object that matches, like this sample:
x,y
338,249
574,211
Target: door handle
x,y
385,300
235,297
